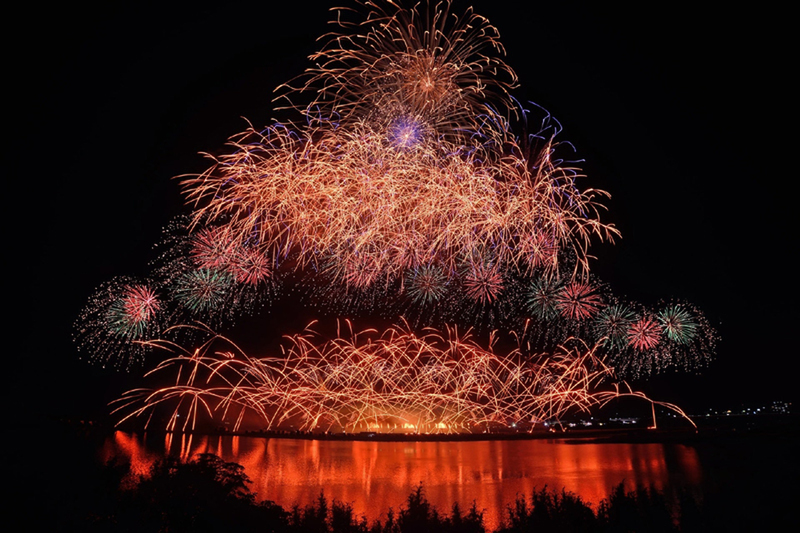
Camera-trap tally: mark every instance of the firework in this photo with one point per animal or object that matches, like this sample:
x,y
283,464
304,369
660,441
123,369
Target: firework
x,y
203,290
437,382
374,214
578,300
612,325
406,132
413,70
644,333
210,248
678,324
401,179
117,319
250,267
483,282
542,299
404,188
213,248
638,341
208,275
690,339
130,315
426,285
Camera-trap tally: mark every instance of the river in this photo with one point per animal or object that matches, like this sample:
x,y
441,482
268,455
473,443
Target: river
x,y
373,476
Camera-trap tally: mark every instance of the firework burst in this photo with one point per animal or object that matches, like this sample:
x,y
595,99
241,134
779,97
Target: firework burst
x,y
445,70
210,248
131,314
483,282
118,318
578,300
542,300
426,285
645,333
406,132
612,325
678,324
203,291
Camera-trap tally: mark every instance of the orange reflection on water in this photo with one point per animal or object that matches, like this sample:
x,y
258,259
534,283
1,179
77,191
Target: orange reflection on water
x,y
373,476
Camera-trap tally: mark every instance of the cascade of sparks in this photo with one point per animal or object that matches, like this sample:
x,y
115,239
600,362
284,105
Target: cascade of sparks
x,y
394,381
403,190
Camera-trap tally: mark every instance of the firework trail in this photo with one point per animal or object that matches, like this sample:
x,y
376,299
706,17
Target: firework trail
x,y
396,380
373,212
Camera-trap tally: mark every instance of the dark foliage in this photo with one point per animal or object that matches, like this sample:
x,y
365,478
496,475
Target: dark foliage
x,y
420,516
550,511
205,494
644,510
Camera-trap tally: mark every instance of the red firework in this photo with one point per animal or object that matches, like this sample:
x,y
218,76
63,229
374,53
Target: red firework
x,y
645,333
215,248
140,304
249,266
212,248
360,271
578,301
483,282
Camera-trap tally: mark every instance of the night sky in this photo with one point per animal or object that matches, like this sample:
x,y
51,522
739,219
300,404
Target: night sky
x,y
680,115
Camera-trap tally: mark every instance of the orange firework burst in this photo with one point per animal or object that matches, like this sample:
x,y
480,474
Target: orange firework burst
x,y
431,68
374,211
645,333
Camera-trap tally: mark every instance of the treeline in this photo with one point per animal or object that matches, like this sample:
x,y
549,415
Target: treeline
x,y
208,494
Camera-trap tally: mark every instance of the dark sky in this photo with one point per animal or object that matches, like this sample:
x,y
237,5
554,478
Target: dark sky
x,y
680,114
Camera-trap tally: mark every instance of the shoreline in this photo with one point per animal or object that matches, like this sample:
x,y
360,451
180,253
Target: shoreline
x,y
779,426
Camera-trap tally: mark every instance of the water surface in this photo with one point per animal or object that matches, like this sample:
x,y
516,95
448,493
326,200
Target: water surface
x,y
374,476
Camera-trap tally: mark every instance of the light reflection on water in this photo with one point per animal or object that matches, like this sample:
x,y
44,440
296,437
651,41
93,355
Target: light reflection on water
x,y
373,476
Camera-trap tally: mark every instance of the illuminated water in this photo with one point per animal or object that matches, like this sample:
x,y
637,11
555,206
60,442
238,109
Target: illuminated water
x,y
374,476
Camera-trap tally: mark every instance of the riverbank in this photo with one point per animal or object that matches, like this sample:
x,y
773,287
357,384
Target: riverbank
x,y
708,427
